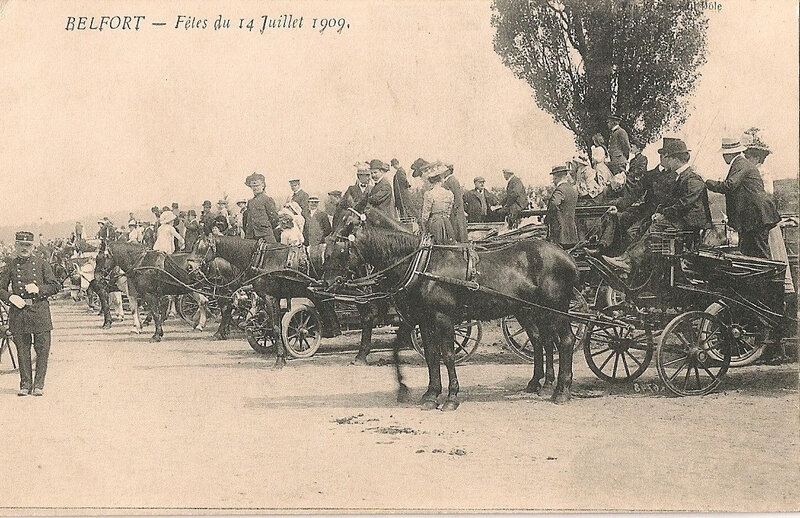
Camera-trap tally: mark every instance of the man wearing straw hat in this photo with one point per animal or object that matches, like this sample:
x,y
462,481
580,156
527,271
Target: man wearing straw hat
x,y
560,217
25,284
751,212
359,190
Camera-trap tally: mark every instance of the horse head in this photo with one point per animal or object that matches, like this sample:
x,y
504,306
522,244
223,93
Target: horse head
x,y
203,252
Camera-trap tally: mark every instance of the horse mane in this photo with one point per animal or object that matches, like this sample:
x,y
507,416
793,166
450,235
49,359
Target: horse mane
x,y
380,220
381,246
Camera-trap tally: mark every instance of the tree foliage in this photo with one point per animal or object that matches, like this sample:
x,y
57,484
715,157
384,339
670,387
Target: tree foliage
x,y
587,58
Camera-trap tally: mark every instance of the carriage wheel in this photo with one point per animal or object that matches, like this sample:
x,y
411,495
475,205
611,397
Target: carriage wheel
x,y
519,342
258,330
747,340
684,359
5,337
617,353
608,296
189,310
467,338
301,331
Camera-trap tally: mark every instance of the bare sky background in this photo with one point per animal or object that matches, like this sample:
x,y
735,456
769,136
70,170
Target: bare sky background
x,y
117,120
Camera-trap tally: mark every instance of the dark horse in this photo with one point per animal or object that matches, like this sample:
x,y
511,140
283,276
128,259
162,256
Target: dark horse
x,y
152,275
534,271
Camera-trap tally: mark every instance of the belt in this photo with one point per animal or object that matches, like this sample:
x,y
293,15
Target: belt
x,y
440,214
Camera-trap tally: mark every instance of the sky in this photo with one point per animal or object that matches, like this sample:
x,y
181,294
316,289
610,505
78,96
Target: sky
x,y
121,120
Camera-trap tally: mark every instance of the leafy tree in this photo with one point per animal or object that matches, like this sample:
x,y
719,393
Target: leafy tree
x,y
586,58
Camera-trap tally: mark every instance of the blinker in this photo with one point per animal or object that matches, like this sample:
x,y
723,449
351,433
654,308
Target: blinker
x,y
351,238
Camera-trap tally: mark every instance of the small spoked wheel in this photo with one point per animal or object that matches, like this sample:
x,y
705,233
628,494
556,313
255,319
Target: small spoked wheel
x,y
466,340
748,339
519,342
258,329
301,330
693,354
617,353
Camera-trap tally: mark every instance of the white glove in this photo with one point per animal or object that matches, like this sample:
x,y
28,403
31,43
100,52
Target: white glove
x,y
17,301
32,288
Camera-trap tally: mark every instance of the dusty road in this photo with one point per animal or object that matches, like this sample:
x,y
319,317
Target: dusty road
x,y
192,423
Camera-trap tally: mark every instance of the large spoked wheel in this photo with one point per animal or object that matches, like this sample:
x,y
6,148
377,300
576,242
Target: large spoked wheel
x,y
301,330
747,339
258,329
608,296
684,356
467,338
617,353
5,335
519,342
189,310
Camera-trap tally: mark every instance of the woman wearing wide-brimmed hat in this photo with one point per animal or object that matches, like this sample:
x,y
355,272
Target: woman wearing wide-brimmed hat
x,y
437,205
166,233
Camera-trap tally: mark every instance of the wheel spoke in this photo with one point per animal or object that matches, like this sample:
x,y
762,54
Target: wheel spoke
x,y
697,377
625,364
680,368
703,365
601,352
516,333
686,379
616,362
607,360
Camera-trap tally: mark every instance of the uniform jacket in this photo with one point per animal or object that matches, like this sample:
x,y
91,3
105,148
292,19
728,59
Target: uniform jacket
x,y
457,216
690,206
34,318
382,198
619,148
353,196
472,204
262,217
747,204
560,217
402,197
656,185
516,197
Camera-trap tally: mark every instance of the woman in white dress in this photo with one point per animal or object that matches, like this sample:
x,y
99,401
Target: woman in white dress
x,y
600,160
166,234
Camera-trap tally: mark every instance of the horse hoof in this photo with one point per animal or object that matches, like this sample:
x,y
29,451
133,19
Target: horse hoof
x,y
106,325
403,394
218,336
560,397
279,364
136,331
533,388
450,405
155,338
359,361
429,404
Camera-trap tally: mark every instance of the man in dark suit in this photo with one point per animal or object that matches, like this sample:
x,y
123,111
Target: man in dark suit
x,y
516,199
25,285
380,196
478,202
751,211
689,209
359,190
301,197
318,224
333,209
560,217
401,186
619,147
262,216
457,216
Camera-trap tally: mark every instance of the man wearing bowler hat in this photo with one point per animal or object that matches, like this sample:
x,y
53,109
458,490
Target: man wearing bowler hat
x,y
689,209
478,202
751,211
560,217
381,196
619,147
262,216
25,285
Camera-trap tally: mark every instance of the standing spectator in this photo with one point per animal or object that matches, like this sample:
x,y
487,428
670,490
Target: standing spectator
x,y
560,218
318,224
240,216
25,284
437,206
292,208
78,231
600,160
380,196
358,191
457,216
587,182
206,217
180,226
638,165
166,235
619,147
192,230
262,217
135,233
478,202
418,166
300,197
515,200
156,214
401,186
333,208
751,212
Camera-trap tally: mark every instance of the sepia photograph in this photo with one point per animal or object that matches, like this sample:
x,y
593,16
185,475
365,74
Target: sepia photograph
x,y
399,257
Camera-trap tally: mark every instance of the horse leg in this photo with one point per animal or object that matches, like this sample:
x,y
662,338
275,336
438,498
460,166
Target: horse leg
x,y
202,303
403,394
367,314
563,333
549,373
430,399
528,322
274,310
225,321
102,296
134,302
446,342
154,308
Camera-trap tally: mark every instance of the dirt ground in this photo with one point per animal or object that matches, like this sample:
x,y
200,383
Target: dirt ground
x,y
196,425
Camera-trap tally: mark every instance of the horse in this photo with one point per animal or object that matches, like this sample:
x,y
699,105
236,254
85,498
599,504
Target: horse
x,y
152,275
530,279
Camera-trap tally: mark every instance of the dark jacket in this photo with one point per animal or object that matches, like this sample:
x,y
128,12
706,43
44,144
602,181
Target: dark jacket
x,y
457,216
747,204
262,217
472,205
353,196
618,146
34,318
402,196
381,198
637,168
560,217
656,185
318,227
690,206
516,198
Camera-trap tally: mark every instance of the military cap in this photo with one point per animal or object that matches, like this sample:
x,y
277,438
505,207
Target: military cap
x,y
336,193
479,179
23,236
254,178
294,180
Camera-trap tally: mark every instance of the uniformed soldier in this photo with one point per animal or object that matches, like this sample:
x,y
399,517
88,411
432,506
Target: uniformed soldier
x,y
25,285
262,216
